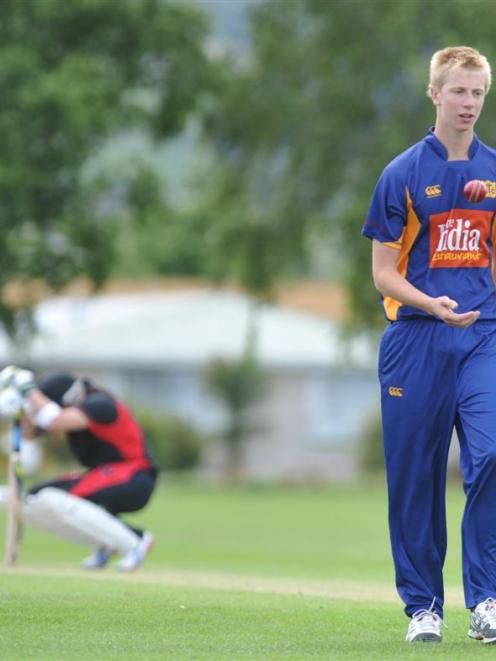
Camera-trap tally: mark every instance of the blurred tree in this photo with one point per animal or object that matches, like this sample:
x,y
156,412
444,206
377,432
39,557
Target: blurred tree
x,y
72,74
157,237
238,383
175,444
332,91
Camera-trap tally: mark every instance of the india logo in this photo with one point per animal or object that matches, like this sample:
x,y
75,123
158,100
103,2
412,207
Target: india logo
x,y
459,238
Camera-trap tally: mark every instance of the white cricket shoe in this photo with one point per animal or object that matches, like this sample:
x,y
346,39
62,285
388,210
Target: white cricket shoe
x,y
483,621
425,626
97,560
135,558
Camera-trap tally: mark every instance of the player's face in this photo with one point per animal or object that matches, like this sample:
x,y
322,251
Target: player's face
x,y
460,100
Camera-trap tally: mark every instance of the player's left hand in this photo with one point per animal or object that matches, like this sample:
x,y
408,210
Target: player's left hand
x,y
462,320
10,402
444,308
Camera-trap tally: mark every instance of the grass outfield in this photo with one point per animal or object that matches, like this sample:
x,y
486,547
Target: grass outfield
x,y
260,573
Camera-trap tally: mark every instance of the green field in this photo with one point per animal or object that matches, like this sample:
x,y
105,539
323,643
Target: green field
x,y
237,573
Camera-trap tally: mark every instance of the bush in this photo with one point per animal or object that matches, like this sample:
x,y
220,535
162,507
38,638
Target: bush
x,y
174,444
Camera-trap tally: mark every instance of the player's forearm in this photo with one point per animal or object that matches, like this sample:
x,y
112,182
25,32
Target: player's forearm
x,y
41,412
48,415
29,431
36,400
391,283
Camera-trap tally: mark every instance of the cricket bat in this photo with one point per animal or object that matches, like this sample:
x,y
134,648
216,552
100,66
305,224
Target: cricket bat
x,y
13,534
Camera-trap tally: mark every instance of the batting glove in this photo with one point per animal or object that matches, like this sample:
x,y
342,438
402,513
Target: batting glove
x,y
10,402
19,378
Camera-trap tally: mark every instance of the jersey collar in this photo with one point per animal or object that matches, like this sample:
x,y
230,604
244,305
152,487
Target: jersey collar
x,y
437,146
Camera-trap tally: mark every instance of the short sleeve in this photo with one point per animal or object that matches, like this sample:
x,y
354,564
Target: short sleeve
x,y
387,214
100,407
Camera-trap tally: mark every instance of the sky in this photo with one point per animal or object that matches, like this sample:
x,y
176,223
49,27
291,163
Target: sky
x,y
230,23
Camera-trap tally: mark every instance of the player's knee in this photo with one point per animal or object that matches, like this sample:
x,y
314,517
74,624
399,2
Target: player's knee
x,y
36,507
49,499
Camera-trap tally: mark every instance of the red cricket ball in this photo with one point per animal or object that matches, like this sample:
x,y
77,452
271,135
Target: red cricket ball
x,y
475,190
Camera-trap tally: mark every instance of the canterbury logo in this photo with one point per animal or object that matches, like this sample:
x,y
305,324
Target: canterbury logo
x,y
433,191
395,392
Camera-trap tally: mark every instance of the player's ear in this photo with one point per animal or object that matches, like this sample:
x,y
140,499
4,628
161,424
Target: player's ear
x,y
433,93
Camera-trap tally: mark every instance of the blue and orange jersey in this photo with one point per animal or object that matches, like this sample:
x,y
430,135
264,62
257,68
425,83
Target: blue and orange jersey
x,y
446,244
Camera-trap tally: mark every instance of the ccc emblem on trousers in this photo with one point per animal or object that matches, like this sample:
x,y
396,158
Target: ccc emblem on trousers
x,y
395,392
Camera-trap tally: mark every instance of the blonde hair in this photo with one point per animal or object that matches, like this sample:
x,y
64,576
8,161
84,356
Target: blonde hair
x,y
445,60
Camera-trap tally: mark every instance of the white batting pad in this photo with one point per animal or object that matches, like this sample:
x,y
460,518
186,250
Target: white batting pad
x,y
79,520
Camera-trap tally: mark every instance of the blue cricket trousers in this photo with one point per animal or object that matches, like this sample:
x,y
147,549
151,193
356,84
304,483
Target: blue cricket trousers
x,y
435,378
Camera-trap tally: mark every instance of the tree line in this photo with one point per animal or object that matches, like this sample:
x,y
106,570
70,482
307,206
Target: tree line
x,y
288,140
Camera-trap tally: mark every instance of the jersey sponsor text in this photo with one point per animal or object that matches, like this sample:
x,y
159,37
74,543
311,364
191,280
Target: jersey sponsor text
x,y
459,238
491,188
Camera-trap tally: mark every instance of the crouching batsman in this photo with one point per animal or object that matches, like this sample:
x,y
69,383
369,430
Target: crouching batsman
x,y
105,438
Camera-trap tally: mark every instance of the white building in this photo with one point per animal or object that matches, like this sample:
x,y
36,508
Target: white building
x,y
151,349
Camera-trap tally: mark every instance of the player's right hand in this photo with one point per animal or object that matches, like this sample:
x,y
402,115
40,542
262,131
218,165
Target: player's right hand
x,y
444,308
10,402
17,377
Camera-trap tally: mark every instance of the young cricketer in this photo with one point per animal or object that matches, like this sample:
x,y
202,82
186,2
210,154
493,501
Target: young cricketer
x,y
432,260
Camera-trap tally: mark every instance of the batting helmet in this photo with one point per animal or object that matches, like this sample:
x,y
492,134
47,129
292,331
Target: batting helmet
x,y
61,387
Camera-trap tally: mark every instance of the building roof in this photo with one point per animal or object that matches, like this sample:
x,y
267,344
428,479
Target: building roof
x,y
156,329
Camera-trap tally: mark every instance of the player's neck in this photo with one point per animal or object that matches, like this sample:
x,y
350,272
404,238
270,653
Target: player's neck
x,y
457,143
